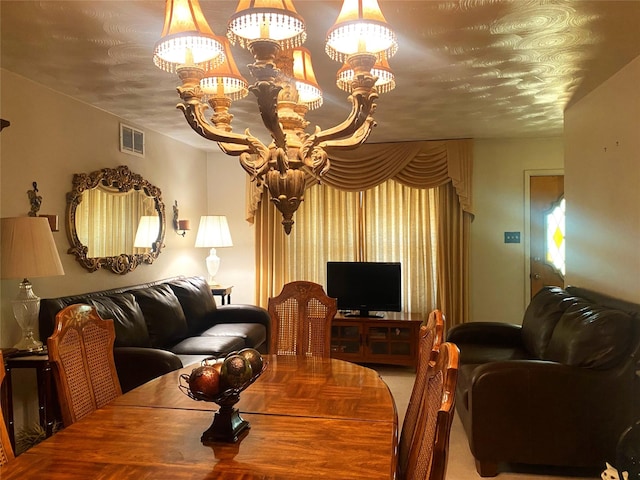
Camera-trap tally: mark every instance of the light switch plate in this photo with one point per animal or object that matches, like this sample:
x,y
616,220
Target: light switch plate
x,y
511,237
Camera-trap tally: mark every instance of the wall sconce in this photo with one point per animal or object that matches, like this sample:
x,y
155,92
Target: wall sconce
x,y
180,226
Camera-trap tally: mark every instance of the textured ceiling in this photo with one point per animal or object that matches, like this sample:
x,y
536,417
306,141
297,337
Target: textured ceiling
x,y
464,68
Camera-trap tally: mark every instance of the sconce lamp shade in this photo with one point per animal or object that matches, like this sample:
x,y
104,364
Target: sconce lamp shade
x,y
28,248
148,231
361,28
187,38
213,232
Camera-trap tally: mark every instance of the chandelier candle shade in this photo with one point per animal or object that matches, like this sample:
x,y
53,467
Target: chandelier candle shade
x,y
285,85
213,232
28,250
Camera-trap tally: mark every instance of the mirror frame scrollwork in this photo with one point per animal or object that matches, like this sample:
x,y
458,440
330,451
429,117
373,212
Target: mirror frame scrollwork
x,y
124,180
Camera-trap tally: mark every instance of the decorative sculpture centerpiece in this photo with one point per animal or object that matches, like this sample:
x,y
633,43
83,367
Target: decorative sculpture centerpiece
x,y
220,380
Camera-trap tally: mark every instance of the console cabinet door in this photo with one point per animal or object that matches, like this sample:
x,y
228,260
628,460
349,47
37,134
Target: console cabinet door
x,y
346,341
387,343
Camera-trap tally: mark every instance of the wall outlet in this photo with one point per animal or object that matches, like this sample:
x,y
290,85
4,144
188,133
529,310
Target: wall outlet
x,y
511,237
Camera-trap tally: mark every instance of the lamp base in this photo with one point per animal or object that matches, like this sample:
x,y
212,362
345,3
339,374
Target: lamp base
x,y
28,343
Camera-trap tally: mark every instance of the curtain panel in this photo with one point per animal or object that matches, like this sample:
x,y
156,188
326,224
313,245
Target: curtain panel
x,y
424,165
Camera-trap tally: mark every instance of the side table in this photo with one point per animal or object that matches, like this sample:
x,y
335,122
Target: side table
x,y
223,292
48,409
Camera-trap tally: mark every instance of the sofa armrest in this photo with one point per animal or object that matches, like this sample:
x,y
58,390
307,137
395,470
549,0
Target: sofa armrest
x,y
236,313
486,333
138,365
523,409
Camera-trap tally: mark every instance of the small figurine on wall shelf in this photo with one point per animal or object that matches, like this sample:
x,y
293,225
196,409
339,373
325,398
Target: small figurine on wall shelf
x,y
35,200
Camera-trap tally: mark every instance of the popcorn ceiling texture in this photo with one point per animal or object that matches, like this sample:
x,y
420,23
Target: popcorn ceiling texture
x,y
467,68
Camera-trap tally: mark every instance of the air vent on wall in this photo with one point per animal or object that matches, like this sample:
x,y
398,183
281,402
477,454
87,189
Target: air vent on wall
x,y
131,140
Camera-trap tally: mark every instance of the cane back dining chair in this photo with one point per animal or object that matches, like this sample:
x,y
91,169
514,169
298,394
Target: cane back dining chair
x,y
429,450
6,451
301,318
429,340
81,350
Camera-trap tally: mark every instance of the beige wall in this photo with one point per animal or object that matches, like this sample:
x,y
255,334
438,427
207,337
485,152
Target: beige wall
x,y
51,137
602,186
497,269
228,180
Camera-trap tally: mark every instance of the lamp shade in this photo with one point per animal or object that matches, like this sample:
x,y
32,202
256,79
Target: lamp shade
x,y
385,83
306,83
225,79
275,20
28,248
213,231
361,28
186,38
148,232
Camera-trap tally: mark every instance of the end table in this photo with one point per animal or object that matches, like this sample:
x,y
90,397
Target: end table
x,y
223,292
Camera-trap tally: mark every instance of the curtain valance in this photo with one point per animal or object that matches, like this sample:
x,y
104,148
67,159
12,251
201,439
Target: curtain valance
x,y
423,164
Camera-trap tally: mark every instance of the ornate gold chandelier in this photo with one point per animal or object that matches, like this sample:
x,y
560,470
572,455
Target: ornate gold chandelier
x,y
285,86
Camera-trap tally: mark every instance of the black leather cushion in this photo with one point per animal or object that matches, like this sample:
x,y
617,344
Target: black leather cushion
x,y
541,317
591,336
471,353
163,314
213,346
253,334
197,302
128,320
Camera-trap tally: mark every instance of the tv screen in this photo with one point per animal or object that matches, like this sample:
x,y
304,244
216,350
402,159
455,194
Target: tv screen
x,y
365,286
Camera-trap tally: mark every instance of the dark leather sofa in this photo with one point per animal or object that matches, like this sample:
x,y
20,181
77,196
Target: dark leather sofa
x,y
164,325
558,390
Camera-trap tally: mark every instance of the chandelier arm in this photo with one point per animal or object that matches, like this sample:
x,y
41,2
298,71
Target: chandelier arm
x,y
356,139
194,114
350,133
267,95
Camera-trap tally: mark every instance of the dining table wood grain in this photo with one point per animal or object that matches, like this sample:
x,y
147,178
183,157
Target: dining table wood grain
x,y
310,418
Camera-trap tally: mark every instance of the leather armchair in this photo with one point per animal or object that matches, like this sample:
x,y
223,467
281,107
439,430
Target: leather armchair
x,y
558,390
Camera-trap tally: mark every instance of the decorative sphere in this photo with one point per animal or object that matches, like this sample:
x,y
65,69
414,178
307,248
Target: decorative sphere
x,y
204,382
255,359
235,372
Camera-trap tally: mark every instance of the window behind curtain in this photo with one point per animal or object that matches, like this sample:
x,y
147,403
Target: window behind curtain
x,y
388,223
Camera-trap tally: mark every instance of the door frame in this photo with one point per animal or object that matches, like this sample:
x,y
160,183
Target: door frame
x,y
527,224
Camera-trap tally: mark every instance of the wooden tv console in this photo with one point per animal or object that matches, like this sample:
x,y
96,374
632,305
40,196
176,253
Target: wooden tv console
x,y
392,340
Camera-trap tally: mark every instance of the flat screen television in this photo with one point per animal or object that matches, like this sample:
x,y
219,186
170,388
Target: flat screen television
x,y
365,287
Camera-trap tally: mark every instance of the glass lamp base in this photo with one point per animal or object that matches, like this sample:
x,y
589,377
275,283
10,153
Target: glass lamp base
x,y
28,343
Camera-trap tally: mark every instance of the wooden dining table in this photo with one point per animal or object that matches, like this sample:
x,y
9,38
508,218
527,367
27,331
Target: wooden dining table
x,y
310,418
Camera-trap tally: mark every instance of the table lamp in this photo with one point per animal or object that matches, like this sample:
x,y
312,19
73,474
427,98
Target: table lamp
x,y
213,232
28,250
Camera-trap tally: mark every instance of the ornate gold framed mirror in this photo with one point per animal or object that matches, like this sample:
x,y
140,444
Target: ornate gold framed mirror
x,y
107,211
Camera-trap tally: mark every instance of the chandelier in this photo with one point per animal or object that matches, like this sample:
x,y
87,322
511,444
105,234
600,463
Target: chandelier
x,y
285,85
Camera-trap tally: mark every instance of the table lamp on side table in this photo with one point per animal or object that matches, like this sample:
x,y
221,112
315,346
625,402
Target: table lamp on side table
x,y
28,250
213,232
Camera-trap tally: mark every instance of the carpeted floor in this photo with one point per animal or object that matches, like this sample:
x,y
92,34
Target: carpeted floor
x,y
461,464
